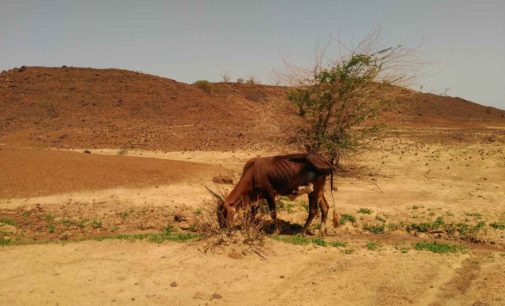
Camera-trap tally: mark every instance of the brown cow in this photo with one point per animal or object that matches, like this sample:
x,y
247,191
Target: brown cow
x,y
267,177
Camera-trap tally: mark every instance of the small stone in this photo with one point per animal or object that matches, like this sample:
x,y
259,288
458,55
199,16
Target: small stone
x,y
216,296
173,284
222,179
235,255
179,217
87,151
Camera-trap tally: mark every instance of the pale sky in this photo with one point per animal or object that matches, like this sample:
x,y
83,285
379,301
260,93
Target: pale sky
x,y
460,42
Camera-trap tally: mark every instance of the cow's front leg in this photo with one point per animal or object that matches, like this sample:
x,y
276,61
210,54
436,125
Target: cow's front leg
x,y
273,213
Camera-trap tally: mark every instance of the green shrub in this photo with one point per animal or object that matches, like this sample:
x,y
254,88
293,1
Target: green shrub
x,y
372,246
346,217
436,247
204,85
374,229
498,225
365,211
8,222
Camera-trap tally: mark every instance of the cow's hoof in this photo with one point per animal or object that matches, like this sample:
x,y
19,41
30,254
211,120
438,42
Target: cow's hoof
x,y
308,233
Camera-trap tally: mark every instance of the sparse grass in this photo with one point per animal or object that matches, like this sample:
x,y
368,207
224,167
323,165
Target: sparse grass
x,y
96,224
380,219
125,214
7,221
4,242
306,207
422,227
302,240
440,248
395,226
462,228
372,246
337,244
285,204
51,228
198,212
347,217
365,211
295,239
348,251
122,151
50,108
153,237
68,222
404,249
425,227
374,228
480,225
498,225
192,227
49,217
474,214
251,81
319,241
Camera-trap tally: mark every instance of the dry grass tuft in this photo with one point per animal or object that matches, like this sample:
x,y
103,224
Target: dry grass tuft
x,y
248,233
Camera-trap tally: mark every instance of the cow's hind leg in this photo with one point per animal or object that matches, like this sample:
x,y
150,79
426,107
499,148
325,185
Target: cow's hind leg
x,y
312,212
323,205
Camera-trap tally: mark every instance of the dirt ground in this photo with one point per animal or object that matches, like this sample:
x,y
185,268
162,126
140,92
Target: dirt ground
x,y
407,187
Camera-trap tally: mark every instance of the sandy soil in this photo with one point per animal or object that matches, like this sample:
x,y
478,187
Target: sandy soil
x,y
401,181
120,273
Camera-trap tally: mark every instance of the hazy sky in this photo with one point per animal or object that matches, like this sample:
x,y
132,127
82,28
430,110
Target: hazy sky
x,y
461,43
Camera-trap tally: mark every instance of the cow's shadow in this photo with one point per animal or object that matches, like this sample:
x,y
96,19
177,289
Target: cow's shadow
x,y
285,228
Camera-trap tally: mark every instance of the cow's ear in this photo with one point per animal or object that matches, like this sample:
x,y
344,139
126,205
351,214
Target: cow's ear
x,y
319,162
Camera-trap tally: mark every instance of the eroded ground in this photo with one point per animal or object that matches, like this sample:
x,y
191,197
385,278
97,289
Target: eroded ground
x,y
399,193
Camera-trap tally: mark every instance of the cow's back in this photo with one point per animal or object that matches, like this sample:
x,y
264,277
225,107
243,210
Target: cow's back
x,y
281,174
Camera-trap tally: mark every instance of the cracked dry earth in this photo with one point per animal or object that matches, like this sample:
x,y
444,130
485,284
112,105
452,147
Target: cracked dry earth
x,y
56,202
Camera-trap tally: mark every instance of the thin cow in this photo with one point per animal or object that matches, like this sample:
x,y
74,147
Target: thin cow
x,y
267,177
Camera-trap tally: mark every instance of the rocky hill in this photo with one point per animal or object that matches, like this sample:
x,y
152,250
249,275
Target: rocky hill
x,y
109,108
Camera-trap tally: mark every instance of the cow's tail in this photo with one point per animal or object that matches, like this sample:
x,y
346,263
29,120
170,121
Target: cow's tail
x,y
335,214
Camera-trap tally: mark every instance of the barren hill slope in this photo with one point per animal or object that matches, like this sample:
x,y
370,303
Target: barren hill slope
x,y
85,107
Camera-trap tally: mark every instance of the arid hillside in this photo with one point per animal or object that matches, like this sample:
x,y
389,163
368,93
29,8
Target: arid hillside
x,y
96,108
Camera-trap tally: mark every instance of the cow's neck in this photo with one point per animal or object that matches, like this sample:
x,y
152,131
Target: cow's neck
x,y
238,194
